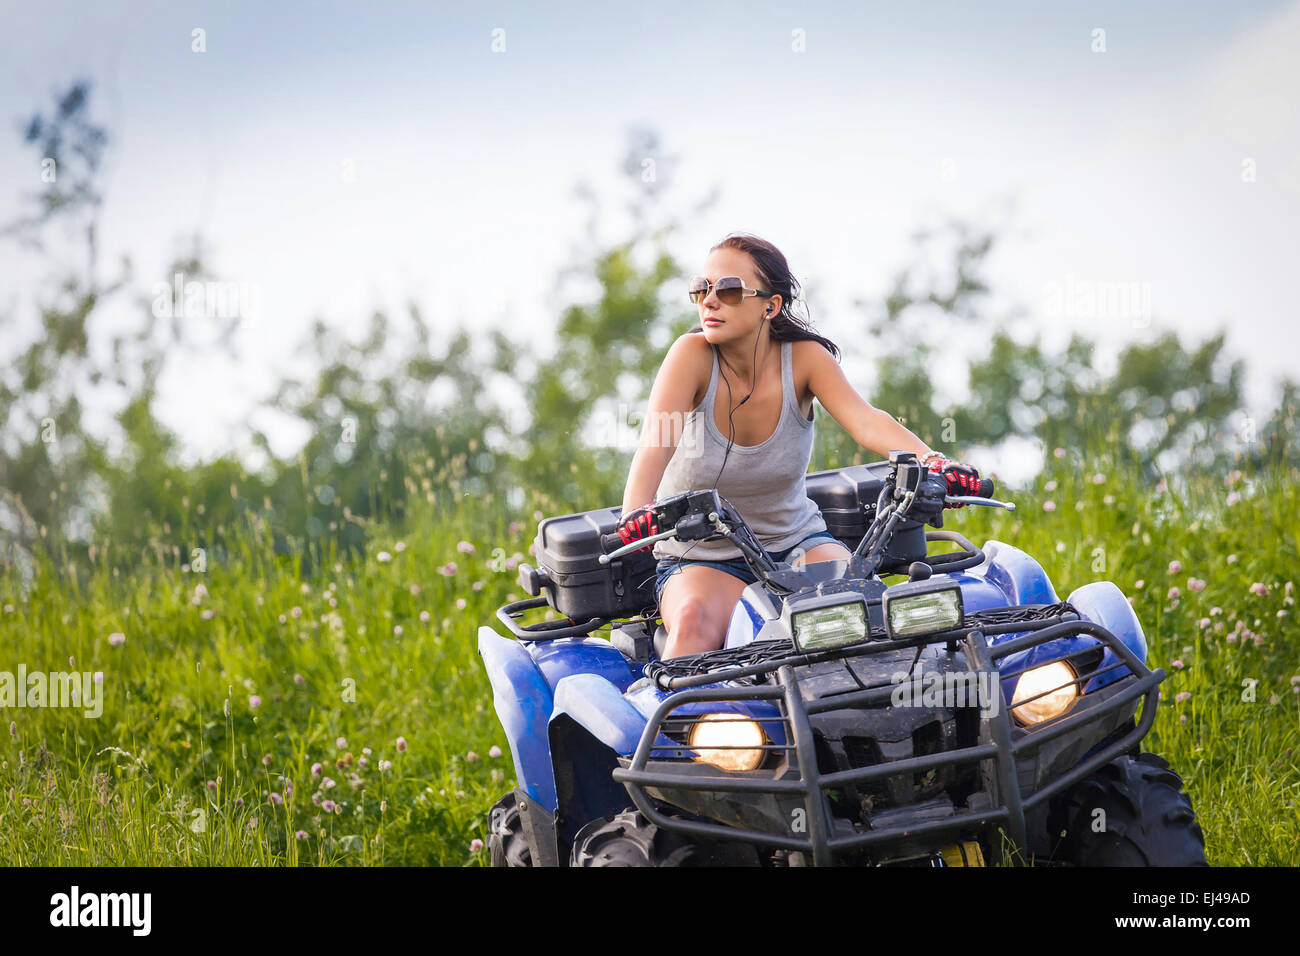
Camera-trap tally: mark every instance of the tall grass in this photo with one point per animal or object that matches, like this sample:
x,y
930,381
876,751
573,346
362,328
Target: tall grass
x,y
233,684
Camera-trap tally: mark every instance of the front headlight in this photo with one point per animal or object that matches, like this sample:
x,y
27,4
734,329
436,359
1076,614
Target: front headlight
x,y
1058,678
830,626
922,607
742,738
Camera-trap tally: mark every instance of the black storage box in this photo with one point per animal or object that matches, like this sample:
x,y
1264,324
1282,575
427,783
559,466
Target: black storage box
x,y
577,584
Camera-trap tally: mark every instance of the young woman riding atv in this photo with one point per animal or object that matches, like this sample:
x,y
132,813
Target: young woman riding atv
x,y
748,336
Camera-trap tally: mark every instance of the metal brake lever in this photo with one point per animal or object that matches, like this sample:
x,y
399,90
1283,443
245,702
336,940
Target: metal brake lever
x,y
973,500
636,545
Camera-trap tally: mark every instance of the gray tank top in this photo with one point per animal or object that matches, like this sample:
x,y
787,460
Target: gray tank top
x,y
765,482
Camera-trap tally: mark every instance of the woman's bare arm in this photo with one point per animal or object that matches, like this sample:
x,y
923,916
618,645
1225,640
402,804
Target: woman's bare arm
x,y
671,400
871,427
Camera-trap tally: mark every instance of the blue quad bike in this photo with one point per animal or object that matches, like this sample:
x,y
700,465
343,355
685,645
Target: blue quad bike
x,y
960,715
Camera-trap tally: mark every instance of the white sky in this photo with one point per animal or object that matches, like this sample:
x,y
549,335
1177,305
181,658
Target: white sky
x,y
1123,166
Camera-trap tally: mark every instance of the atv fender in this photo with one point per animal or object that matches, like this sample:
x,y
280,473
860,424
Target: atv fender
x,y
1015,574
601,709
1103,603
523,702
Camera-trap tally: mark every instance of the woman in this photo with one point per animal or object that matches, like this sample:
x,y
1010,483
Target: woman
x,y
748,343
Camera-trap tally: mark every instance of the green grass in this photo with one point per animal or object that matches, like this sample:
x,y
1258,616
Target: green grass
x,y
174,772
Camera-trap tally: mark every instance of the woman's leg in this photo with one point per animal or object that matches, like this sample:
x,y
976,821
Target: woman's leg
x,y
696,605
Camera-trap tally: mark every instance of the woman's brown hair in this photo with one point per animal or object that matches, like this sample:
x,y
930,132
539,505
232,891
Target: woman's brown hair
x,y
775,275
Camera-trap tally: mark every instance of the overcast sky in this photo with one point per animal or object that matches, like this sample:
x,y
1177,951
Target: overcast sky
x,y
338,157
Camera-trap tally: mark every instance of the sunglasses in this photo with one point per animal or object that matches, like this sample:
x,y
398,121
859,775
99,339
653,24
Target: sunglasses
x,y
730,289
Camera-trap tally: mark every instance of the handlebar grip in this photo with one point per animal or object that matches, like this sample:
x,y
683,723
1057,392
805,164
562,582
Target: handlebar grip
x,y
986,487
608,542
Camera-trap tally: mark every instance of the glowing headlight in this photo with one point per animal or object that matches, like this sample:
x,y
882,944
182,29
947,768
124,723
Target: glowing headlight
x,y
830,626
742,737
922,608
1055,677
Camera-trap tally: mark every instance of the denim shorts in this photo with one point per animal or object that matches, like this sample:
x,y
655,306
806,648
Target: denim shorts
x,y
737,567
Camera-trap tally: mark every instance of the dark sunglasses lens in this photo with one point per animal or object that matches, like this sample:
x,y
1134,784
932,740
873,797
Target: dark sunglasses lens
x,y
730,290
698,288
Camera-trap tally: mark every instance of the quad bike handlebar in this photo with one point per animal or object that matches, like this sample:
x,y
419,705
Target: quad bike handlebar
x,y
910,492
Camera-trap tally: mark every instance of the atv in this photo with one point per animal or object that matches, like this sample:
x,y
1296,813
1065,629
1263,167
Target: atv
x,y
958,714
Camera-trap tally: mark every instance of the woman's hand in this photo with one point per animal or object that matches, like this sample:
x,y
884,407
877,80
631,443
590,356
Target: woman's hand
x,y
962,479
637,524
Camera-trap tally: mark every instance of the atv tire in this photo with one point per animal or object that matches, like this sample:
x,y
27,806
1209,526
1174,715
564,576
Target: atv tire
x,y
629,839
1148,819
507,843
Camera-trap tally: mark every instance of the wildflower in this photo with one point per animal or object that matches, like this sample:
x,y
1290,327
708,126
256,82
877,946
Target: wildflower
x,y
1108,500
116,638
1139,584
512,562
464,547
494,751
424,617
300,835
1216,611
1232,559
315,770
415,590
1049,505
295,612
266,760
196,600
1099,479
1182,718
275,799
207,614
254,701
1058,452
1162,486
1273,698
401,745
366,751
299,679
283,619
327,806
383,557
1050,486
211,785
1294,681
1176,663
399,547
385,766
471,757
1195,584
1175,567
1232,498
1258,588
1173,593
1231,478
397,629
327,784
460,604
341,742
1203,623
1259,640
475,845
478,585
1185,695
448,569
515,527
